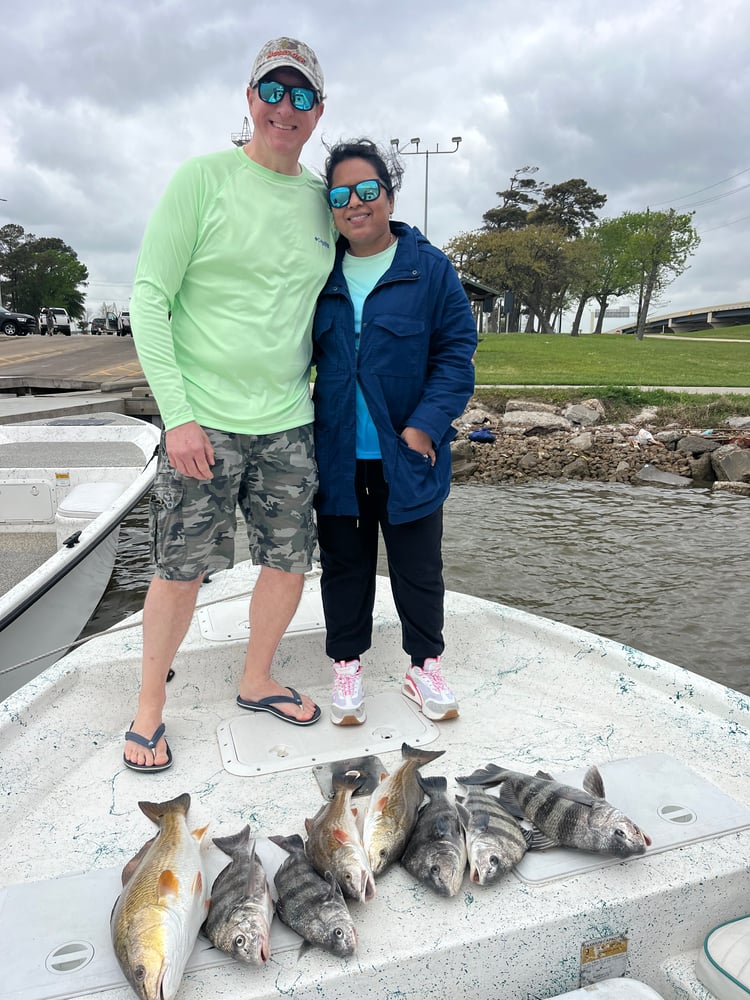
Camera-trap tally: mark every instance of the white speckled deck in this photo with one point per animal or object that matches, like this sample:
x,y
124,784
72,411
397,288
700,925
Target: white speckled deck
x,y
533,694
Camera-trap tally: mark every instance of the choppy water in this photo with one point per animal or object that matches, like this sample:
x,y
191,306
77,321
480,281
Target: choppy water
x,y
664,571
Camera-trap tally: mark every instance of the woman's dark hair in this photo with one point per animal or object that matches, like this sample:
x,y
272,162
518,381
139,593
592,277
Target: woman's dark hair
x,y
385,165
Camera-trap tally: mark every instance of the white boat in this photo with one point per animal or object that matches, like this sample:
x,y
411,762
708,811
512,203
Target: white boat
x,y
672,748
66,483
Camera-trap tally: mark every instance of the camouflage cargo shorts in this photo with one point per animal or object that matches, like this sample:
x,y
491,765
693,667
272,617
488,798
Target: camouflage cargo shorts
x,y
271,477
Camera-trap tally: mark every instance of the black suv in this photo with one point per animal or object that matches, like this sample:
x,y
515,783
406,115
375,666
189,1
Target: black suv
x,y
15,324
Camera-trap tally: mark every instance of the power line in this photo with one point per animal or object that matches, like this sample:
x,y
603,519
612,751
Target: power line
x,y
724,225
701,190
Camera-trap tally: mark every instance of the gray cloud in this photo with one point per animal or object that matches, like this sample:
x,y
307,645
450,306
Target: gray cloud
x,y
99,103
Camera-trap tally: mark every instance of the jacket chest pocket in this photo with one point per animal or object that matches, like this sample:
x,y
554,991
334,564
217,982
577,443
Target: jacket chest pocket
x,y
395,344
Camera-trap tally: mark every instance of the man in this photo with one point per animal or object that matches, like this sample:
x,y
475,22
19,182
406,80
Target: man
x,y
226,283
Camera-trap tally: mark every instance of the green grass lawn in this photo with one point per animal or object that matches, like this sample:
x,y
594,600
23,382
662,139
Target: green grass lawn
x,y
612,360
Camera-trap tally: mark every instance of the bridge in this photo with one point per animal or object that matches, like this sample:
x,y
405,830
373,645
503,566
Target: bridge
x,y
690,320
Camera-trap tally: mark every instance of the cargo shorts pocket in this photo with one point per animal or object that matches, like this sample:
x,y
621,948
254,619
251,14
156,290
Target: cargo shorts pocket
x,y
167,520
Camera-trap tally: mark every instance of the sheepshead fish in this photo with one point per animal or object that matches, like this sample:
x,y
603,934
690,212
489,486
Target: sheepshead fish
x,y
334,844
241,911
312,906
436,852
157,917
495,841
567,816
392,811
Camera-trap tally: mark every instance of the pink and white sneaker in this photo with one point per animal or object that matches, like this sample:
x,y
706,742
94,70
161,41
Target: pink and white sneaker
x,y
428,688
348,699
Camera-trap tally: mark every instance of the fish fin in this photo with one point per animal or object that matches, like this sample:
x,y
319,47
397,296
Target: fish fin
x,y
432,785
155,810
197,887
593,782
289,844
545,775
308,825
348,781
341,836
423,756
233,844
200,832
510,803
537,841
380,804
355,812
168,885
485,776
132,865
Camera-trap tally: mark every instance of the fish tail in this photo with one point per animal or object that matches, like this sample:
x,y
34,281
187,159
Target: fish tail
x,y
422,756
156,810
348,780
235,843
289,844
432,785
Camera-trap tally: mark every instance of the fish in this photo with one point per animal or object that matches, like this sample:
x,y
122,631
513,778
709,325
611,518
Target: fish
x,y
567,816
392,810
495,840
334,843
241,910
310,904
156,918
436,852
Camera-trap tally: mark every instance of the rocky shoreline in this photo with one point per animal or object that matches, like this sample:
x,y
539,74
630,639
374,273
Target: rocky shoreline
x,y
532,441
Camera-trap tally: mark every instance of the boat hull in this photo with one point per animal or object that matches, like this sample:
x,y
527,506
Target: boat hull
x,y
533,694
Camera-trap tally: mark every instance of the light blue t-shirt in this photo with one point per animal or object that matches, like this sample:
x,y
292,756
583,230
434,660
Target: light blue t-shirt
x,y
362,274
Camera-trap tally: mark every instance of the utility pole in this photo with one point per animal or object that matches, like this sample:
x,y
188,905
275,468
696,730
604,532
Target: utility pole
x,y
427,153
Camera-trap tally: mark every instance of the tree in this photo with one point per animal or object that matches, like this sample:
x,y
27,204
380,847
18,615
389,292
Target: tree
x,y
518,201
660,243
570,206
41,271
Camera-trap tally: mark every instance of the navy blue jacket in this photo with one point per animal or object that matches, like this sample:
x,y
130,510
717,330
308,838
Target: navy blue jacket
x,y
414,367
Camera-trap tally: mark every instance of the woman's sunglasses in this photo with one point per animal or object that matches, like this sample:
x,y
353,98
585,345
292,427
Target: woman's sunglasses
x,y
301,98
339,197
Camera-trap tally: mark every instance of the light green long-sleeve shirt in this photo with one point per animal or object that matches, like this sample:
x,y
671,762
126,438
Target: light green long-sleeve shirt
x,y
237,254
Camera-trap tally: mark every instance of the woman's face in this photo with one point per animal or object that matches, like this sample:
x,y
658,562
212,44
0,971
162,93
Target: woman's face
x,y
364,223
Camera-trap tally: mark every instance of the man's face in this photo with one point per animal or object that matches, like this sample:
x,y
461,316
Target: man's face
x,y
282,128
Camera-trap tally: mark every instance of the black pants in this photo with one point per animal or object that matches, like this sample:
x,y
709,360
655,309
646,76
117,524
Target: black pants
x,y
349,556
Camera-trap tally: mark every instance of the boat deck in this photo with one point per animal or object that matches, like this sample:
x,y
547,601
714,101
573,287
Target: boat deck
x,y
533,694
21,552
68,454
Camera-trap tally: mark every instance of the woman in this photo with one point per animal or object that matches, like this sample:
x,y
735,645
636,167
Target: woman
x,y
394,339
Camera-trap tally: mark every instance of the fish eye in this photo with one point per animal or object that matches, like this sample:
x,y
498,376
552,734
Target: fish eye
x,y
337,932
619,833
139,972
239,941
494,860
382,852
435,869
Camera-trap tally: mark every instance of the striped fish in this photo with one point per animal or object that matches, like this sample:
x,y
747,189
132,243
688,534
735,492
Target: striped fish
x,y
495,841
312,906
239,920
436,852
567,816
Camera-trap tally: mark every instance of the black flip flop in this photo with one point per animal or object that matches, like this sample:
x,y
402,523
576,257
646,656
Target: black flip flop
x,y
149,745
268,705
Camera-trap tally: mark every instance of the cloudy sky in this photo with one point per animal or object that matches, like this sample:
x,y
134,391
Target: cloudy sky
x,y
645,100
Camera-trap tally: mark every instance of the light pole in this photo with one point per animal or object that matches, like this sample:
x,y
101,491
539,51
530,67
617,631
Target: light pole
x,y
427,153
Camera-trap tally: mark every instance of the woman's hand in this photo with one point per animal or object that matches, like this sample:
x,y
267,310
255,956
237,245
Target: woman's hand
x,y
419,441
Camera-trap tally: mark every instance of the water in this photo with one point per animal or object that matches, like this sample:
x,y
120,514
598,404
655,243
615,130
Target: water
x,y
663,571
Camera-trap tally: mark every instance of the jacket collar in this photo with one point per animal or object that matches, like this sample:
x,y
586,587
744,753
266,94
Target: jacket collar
x,y
405,262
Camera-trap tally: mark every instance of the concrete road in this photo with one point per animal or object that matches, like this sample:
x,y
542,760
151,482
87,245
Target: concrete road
x,y
77,362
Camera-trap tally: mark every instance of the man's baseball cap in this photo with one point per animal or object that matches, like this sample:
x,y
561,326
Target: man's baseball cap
x,y
290,53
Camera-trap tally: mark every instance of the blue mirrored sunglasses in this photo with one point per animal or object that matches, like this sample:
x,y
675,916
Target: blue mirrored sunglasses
x,y
339,197
302,98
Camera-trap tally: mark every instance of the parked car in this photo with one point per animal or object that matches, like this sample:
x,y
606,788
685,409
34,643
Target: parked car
x,y
98,326
123,324
15,324
57,320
